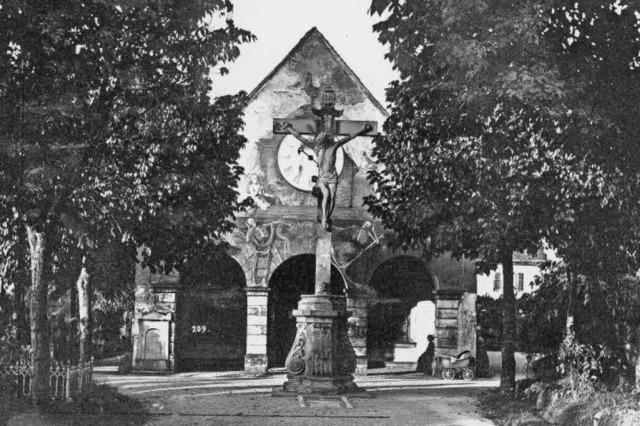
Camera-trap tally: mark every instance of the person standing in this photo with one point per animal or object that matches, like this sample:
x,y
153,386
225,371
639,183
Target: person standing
x,y
425,362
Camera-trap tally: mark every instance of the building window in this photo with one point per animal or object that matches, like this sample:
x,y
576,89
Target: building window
x,y
497,282
520,282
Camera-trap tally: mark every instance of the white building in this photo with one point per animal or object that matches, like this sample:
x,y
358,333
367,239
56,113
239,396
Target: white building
x,y
525,269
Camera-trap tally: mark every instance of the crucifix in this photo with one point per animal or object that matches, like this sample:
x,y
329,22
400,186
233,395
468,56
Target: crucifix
x,y
321,359
329,135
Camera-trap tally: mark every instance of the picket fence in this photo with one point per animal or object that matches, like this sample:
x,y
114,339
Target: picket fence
x,y
66,381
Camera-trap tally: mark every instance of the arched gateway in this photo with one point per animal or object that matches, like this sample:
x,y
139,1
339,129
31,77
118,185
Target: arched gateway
x,y
287,283
390,294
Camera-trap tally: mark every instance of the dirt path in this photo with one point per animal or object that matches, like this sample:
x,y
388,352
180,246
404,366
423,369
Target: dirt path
x,y
230,399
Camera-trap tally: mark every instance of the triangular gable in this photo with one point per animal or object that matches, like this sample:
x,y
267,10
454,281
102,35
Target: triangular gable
x,y
314,32
289,91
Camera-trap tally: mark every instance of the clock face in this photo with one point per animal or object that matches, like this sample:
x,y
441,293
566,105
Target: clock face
x,y
297,169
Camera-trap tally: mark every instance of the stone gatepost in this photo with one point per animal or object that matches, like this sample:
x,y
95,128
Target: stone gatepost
x,y
455,323
255,360
467,323
446,343
357,328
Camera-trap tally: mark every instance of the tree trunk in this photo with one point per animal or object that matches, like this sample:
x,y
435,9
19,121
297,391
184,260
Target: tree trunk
x,y
20,280
508,376
127,331
40,357
84,312
570,304
72,321
636,369
18,311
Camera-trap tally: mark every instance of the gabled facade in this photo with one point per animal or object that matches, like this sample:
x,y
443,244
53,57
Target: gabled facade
x,y
271,256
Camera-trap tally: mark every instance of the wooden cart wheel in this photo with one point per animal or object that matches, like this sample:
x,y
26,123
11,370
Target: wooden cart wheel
x,y
468,374
448,374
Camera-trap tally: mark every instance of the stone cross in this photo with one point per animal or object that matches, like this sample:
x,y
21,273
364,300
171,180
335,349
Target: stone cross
x,y
326,131
310,126
322,359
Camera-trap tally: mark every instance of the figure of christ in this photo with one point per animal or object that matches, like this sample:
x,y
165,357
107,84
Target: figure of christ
x,y
326,147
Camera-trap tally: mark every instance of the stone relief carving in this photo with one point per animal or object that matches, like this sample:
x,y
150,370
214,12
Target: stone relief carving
x,y
255,189
320,359
295,363
270,247
261,246
352,242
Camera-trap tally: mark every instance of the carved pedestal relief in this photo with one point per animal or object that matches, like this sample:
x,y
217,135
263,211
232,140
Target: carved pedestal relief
x,y
295,360
321,359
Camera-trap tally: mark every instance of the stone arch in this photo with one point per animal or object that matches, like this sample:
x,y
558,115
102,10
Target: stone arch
x,y
386,253
293,253
293,277
401,283
211,315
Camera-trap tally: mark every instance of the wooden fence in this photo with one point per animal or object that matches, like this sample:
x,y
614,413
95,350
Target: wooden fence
x,y
65,381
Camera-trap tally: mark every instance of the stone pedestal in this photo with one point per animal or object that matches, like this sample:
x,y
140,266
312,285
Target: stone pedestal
x,y
322,360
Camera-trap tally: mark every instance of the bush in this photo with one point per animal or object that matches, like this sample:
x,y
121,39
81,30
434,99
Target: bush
x,y
11,351
489,317
582,364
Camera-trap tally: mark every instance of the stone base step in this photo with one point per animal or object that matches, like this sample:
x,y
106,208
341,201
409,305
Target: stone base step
x,y
278,391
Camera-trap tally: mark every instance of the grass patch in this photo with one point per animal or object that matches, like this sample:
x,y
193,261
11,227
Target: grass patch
x,y
504,410
560,407
10,406
101,406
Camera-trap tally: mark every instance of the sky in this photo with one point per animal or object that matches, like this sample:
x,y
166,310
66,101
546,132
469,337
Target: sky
x,y
279,24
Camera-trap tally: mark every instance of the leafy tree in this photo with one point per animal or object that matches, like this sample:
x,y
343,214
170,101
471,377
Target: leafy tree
x,y
479,151
597,50
606,319
108,131
14,277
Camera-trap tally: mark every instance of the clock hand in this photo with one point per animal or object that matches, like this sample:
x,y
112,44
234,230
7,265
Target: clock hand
x,y
299,175
302,150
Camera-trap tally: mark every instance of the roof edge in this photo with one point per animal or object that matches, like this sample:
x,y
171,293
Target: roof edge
x,y
341,61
